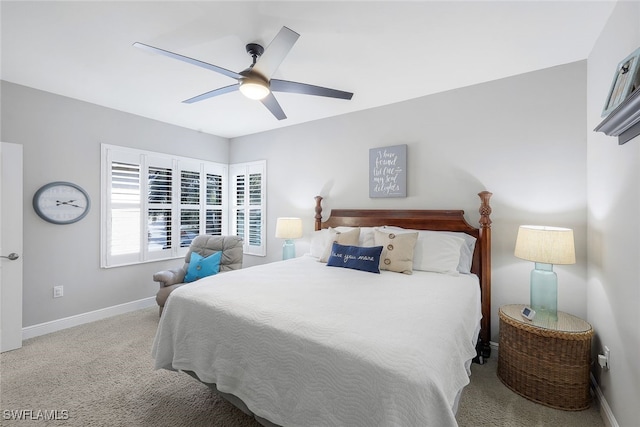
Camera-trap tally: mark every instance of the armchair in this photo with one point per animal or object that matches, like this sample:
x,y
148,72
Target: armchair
x,y
204,245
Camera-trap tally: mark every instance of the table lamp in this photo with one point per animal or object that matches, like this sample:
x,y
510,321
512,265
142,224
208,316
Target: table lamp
x,y
545,246
288,229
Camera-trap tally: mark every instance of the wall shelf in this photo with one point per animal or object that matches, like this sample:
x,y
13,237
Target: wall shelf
x,y
624,121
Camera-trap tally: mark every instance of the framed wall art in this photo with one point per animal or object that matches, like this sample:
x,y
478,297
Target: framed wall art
x,y
388,171
625,81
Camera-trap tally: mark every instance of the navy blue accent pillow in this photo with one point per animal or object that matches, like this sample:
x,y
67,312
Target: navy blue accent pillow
x,y
355,257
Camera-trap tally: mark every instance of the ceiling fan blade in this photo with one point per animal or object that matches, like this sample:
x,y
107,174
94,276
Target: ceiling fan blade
x,y
275,53
212,93
306,89
186,59
272,105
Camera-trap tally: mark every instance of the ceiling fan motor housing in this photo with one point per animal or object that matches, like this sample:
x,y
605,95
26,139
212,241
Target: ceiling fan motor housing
x,y
255,50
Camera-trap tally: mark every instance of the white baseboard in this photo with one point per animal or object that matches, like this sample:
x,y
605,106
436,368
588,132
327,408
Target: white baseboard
x,y
81,319
605,409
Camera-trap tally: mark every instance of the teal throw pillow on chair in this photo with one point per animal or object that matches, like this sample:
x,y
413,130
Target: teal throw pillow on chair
x,y
200,267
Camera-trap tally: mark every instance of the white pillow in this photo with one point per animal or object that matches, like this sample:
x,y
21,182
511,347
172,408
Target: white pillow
x,y
436,253
466,250
319,242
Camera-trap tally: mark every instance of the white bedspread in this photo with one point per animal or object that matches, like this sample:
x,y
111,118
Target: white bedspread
x,y
304,344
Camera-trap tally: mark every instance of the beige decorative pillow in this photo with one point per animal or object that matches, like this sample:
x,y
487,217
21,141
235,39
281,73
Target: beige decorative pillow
x,y
397,251
347,238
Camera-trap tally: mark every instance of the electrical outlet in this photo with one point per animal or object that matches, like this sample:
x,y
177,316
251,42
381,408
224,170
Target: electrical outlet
x,y
603,359
58,291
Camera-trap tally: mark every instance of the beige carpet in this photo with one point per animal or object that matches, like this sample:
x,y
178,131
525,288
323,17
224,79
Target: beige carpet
x,y
101,374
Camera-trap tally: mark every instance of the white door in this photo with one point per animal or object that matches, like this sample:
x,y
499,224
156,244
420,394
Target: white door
x,y
10,246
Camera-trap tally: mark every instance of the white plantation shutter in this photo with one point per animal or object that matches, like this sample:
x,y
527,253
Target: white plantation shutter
x,y
160,208
190,196
214,202
154,204
248,181
158,188
255,209
121,233
238,206
125,208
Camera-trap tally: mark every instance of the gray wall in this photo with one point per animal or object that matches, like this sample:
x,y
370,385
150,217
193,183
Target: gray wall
x,y
61,139
522,138
613,290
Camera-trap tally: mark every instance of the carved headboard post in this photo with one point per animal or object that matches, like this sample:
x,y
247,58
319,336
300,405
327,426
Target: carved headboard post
x,y
485,241
318,216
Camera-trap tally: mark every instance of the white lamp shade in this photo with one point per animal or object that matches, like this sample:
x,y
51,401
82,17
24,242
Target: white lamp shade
x,y
548,245
289,228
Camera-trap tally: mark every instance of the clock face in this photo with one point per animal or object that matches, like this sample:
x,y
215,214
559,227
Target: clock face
x,y
61,203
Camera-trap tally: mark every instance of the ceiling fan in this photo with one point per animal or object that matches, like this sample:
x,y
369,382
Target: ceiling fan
x,y
255,82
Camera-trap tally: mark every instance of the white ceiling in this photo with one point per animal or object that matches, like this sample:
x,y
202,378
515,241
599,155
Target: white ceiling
x,y
384,52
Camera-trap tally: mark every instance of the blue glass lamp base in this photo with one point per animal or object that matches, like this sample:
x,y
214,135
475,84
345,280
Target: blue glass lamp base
x,y
544,291
288,249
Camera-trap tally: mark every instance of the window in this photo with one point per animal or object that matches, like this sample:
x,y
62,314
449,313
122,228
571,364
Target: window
x,y
154,204
248,205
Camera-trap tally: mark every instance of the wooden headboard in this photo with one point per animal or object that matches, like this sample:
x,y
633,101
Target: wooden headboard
x,y
439,220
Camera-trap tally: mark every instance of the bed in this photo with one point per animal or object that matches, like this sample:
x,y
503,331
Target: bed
x,y
305,343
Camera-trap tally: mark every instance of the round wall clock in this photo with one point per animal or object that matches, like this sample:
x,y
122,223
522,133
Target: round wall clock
x,y
61,202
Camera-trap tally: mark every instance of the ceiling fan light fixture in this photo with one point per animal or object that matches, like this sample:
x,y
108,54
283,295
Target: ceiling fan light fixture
x,y
254,88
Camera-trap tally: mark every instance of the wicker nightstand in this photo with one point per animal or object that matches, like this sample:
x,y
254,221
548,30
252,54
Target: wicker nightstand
x,y
545,361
